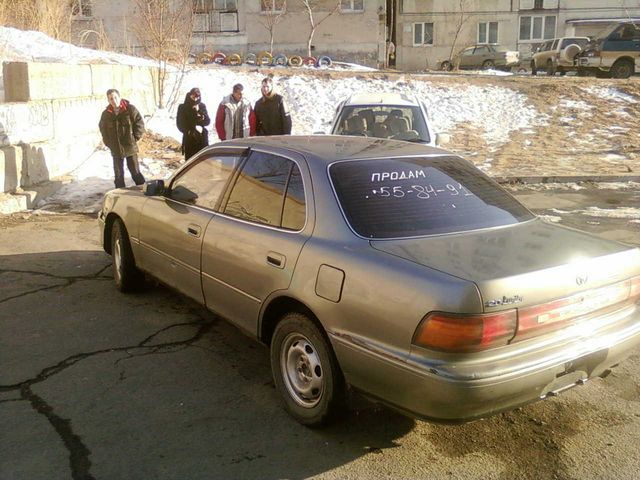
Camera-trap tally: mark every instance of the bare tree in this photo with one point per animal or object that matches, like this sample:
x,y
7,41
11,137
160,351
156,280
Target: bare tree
x,y
52,17
462,18
311,6
274,12
164,29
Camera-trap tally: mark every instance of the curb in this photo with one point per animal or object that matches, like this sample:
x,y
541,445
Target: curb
x,y
566,179
22,199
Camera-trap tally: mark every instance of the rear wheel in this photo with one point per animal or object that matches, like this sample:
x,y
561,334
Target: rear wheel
x,y
488,64
306,371
446,66
125,274
622,69
534,70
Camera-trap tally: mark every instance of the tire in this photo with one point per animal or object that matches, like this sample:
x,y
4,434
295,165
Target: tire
x,y
487,64
534,70
234,59
551,70
309,61
622,69
218,58
125,274
250,59
306,371
264,58
446,66
295,61
280,60
324,61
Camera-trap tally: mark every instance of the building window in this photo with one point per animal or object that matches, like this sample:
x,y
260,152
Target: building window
x,y
422,34
207,6
352,5
538,4
81,8
537,27
272,6
488,32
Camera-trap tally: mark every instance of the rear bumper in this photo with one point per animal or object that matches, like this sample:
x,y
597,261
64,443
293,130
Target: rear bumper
x,y
464,389
589,62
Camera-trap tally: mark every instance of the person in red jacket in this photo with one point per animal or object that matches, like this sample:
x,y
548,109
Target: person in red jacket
x,y
235,117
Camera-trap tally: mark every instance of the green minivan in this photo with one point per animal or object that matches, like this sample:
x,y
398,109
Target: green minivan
x,y
615,52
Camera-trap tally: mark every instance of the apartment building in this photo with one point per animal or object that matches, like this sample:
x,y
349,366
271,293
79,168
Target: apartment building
x,y
425,31
355,32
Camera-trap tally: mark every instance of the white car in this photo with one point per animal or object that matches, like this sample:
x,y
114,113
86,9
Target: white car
x,y
385,115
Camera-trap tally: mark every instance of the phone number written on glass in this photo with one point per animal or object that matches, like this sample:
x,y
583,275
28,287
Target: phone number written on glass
x,y
421,191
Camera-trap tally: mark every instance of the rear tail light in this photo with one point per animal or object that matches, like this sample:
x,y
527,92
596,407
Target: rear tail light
x,y
533,321
451,332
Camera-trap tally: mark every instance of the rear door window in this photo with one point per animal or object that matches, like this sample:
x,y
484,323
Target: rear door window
x,y
396,198
268,191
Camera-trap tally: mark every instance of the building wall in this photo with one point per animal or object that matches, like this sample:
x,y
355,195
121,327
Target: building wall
x,y
445,16
347,36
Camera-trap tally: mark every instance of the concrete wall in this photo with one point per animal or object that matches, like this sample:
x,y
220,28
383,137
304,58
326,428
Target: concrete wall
x,y
445,15
49,122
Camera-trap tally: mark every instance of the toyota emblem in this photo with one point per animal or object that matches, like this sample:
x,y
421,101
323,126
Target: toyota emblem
x,y
582,279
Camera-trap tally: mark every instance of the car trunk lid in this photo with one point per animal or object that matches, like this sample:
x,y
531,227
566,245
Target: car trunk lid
x,y
524,265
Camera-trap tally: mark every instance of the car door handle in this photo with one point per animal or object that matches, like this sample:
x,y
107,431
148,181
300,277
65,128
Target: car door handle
x,y
194,230
276,259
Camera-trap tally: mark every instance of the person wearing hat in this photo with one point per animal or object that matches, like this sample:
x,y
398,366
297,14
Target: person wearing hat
x,y
272,114
192,118
235,118
121,126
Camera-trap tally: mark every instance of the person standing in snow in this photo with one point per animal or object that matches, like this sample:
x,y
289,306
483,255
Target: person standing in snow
x,y
192,118
121,126
272,114
235,118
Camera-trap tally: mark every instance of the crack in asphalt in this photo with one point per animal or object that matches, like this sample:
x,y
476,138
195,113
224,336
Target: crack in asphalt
x,y
79,453
68,281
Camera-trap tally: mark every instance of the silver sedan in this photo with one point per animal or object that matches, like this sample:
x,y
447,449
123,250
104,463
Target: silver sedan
x,y
395,268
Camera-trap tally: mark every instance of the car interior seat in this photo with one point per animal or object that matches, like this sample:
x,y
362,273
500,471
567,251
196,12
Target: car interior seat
x,y
369,117
400,128
356,125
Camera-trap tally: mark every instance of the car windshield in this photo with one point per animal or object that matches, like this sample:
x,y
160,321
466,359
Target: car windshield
x,y
409,197
399,122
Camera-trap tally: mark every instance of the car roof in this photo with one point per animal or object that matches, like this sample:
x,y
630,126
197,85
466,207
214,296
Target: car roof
x,y
329,148
381,99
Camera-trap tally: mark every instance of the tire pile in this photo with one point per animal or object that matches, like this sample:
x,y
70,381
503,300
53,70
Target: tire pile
x,y
263,59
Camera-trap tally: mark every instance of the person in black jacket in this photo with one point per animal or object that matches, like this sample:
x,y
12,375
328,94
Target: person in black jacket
x,y
121,126
272,114
192,118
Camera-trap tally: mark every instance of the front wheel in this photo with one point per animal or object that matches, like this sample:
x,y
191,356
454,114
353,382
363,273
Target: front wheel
x,y
622,69
488,64
305,371
125,274
446,66
551,69
534,70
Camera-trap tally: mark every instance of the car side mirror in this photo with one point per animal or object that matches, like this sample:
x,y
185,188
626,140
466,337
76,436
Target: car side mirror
x,y
153,188
442,139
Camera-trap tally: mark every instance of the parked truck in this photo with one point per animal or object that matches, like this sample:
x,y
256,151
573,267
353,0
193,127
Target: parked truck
x,y
615,52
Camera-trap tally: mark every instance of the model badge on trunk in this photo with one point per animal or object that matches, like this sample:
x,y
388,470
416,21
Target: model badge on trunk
x,y
503,301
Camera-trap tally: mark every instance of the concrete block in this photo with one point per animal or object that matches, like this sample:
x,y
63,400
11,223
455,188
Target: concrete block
x,y
45,81
10,168
26,122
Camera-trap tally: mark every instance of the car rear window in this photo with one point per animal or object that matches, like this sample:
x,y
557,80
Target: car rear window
x,y
407,197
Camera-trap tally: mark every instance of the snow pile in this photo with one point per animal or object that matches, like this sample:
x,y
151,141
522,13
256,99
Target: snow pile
x,y
497,111
610,93
20,45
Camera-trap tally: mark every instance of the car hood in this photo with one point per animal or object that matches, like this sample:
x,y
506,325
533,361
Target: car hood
x,y
523,264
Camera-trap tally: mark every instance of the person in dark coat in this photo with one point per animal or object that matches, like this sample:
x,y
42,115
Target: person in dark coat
x,y
271,112
192,118
121,126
